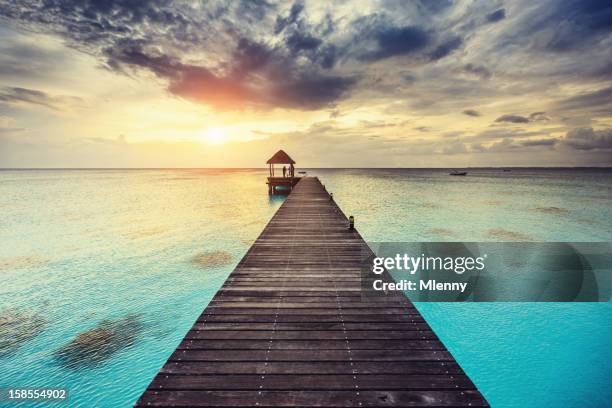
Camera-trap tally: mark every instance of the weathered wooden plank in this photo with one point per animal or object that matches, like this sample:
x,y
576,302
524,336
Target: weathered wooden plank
x,y
288,289
335,398
335,326
311,355
284,293
307,299
309,335
312,318
290,327
322,367
241,344
315,311
309,306
311,382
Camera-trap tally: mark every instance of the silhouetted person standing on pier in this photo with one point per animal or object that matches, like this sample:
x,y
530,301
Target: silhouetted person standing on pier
x,y
284,171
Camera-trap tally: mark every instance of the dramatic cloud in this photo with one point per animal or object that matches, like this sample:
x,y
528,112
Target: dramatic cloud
x,y
310,92
471,112
512,119
533,117
146,35
496,16
291,18
428,76
562,26
238,88
446,48
302,42
589,139
398,41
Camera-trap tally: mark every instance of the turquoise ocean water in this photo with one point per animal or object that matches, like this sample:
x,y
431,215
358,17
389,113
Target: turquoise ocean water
x,y
132,257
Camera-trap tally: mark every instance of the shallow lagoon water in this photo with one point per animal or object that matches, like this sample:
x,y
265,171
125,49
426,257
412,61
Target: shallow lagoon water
x,y
518,354
97,251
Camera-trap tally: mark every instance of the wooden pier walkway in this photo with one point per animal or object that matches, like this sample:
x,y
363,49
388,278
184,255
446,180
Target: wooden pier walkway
x,y
289,328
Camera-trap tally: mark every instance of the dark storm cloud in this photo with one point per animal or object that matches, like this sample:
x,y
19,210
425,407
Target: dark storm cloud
x,y
326,56
149,35
299,38
589,139
250,56
571,23
302,41
471,112
395,41
310,92
264,53
197,83
496,16
446,48
94,21
409,30
512,119
284,21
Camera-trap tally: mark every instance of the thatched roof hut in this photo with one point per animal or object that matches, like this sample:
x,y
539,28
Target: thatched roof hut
x,y
280,157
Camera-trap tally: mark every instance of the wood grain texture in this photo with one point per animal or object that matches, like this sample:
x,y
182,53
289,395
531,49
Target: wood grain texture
x,y
290,327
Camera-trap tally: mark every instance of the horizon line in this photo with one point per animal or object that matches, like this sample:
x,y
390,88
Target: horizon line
x,y
305,168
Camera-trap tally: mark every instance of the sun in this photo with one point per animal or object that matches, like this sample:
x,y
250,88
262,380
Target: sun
x,y
214,136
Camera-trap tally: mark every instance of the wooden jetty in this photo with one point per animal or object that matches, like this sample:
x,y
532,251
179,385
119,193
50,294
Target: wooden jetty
x,y
289,328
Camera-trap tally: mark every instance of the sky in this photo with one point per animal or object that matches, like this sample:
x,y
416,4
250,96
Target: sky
x,y
436,83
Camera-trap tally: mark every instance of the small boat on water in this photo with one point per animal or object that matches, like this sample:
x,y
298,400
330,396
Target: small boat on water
x,y
457,173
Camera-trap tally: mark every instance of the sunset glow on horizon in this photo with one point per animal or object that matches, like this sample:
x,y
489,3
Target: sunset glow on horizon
x,y
385,84
215,136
